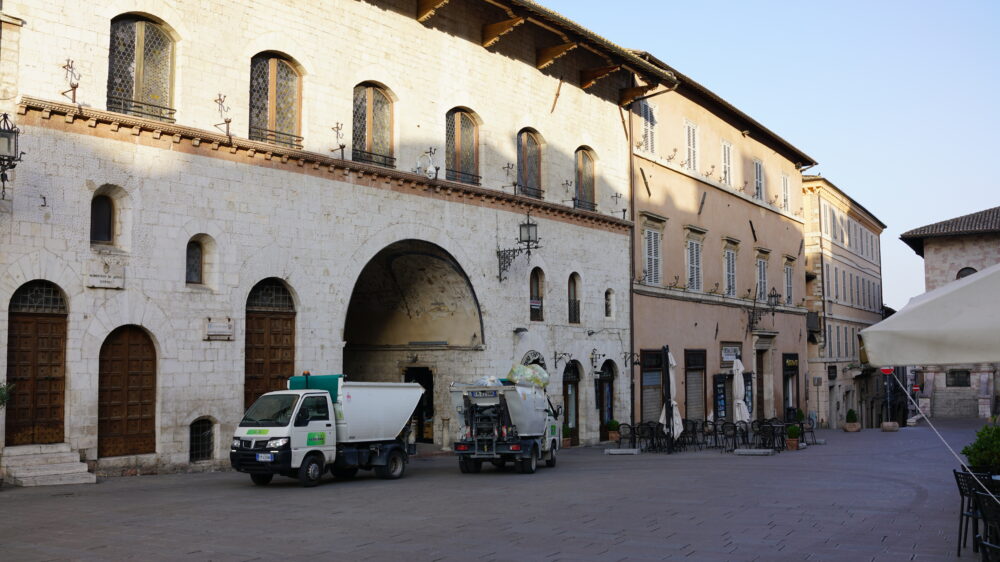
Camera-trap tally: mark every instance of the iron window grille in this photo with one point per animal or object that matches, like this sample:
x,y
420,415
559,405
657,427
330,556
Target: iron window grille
x,y
462,177
584,198
38,297
537,284
537,310
275,92
140,69
574,311
372,130
201,442
195,262
461,147
102,212
529,164
529,191
270,295
584,204
957,378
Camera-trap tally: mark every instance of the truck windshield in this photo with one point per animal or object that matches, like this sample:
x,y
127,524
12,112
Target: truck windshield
x,y
270,410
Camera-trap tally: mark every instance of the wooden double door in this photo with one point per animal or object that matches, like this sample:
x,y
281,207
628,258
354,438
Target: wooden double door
x,y
270,353
36,366
126,403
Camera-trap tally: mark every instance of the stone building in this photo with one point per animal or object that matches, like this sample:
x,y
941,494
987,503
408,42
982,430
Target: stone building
x,y
718,265
843,295
953,249
217,195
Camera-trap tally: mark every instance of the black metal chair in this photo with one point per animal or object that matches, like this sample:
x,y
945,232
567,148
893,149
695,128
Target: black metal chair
x,y
644,436
691,434
660,438
765,436
989,551
626,435
967,512
809,428
728,437
742,433
755,437
710,433
988,507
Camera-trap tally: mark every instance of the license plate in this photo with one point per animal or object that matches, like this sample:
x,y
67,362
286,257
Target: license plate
x,y
484,393
265,457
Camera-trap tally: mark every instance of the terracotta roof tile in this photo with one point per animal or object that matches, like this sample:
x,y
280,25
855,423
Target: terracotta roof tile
x,y
982,222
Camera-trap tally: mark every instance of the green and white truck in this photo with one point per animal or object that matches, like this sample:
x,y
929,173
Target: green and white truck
x,y
325,423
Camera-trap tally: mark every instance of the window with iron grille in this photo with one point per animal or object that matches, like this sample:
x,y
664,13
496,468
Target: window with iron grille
x,y
274,101
584,198
270,295
691,132
372,131
462,147
201,446
102,215
729,260
727,163
537,290
573,296
758,179
529,164
38,297
195,262
694,265
140,69
958,378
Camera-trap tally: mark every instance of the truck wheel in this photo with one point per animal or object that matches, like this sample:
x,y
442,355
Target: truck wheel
x,y
528,465
463,466
345,473
394,466
261,479
311,471
550,459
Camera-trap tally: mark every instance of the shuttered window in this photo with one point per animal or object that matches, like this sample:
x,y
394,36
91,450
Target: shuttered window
x,y
652,256
694,265
758,179
784,192
648,116
788,284
691,131
727,163
761,279
729,259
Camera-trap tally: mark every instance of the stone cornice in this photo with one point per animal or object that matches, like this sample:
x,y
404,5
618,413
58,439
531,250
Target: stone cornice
x,y
709,298
170,136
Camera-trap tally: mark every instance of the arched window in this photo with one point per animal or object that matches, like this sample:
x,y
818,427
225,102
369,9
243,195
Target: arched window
x,y
140,69
200,446
537,292
195,263
573,297
584,198
102,215
372,139
529,164
462,147
275,91
609,303
965,272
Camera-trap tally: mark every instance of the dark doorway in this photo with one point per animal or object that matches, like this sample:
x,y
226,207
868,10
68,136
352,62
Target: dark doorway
x,y
126,403
761,356
36,353
424,412
605,392
694,383
571,403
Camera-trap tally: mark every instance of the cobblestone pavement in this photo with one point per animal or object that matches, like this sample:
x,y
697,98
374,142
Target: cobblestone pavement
x,y
863,496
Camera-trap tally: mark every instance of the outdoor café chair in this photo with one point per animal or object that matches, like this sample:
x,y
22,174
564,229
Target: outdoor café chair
x,y
809,428
755,429
644,437
765,436
728,437
967,512
989,512
990,551
660,437
710,433
742,433
691,434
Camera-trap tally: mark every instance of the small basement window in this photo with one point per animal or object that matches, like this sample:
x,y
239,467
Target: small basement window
x,y
957,378
201,440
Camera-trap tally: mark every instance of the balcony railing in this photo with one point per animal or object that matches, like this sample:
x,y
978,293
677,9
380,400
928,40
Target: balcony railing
x,y
383,160
574,311
535,192
537,310
462,177
275,137
584,204
141,109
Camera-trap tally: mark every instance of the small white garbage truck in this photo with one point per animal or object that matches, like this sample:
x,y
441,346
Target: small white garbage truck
x,y
508,420
324,422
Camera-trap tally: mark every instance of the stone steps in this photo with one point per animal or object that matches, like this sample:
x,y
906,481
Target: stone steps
x,y
44,465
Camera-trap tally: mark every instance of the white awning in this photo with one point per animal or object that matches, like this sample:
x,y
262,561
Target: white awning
x,y
956,323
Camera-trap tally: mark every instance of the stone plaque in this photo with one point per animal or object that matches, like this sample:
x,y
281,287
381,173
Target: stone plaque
x,y
106,274
219,329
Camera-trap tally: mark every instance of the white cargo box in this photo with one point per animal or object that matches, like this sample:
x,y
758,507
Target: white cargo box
x,y
527,404
375,411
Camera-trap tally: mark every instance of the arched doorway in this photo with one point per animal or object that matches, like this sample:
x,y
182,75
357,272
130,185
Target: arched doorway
x,y
270,339
413,316
126,398
604,386
36,364
571,402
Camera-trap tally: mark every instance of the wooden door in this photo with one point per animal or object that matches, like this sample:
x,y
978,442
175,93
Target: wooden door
x,y
126,402
270,353
36,357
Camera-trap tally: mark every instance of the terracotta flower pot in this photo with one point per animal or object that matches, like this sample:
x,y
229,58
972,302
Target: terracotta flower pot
x,y
792,444
614,436
852,427
567,443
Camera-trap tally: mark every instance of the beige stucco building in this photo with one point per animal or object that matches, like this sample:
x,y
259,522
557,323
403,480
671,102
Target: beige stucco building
x,y
953,249
338,207
719,223
844,296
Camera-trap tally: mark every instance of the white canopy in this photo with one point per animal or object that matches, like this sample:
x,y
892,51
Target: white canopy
x,y
956,323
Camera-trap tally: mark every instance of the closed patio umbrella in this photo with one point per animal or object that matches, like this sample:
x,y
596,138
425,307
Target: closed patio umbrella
x,y
676,423
740,410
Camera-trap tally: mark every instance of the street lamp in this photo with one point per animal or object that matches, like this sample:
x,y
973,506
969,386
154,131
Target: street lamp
x,y
755,314
10,153
527,240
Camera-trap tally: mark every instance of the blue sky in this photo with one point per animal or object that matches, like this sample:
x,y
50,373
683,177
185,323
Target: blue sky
x,y
897,100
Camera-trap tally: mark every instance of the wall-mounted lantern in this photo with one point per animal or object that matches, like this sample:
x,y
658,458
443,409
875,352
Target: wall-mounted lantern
x,y
10,153
755,314
527,240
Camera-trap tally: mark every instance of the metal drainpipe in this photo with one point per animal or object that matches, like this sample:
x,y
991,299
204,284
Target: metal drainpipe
x,y
822,272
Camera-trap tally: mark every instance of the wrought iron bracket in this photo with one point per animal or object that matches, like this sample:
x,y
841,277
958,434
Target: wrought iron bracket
x,y
505,258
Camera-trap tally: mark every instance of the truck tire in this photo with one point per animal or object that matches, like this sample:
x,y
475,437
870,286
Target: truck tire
x,y
261,479
550,458
529,464
469,466
394,467
342,472
311,471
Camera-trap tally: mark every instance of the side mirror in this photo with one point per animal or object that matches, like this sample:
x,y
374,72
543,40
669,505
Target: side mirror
x,y
302,419
559,411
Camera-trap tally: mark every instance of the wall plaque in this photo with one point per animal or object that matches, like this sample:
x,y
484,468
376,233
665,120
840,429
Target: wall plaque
x,y
219,329
106,274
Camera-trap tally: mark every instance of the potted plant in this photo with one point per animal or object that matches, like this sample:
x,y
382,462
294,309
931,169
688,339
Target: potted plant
x,y
613,434
984,453
800,416
852,424
792,441
5,389
567,441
